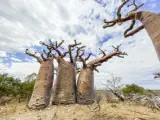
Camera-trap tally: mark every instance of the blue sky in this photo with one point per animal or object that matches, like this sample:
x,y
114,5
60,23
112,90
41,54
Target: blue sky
x,y
25,23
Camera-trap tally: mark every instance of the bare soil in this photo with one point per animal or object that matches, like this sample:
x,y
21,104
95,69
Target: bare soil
x,y
101,111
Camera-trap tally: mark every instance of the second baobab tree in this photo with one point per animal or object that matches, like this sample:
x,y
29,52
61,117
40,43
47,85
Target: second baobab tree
x,y
85,83
65,87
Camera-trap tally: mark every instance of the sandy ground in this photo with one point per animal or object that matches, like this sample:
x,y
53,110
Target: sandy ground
x,y
103,111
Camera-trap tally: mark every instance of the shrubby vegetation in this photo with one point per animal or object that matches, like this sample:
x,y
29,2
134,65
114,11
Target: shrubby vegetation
x,y
14,88
133,88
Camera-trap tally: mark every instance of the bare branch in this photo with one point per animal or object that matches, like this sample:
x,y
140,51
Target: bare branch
x,y
113,22
126,34
34,55
49,49
120,8
75,44
113,85
118,19
78,51
105,58
131,15
109,24
83,60
136,7
59,44
102,52
55,47
70,47
44,59
96,70
88,56
130,27
48,55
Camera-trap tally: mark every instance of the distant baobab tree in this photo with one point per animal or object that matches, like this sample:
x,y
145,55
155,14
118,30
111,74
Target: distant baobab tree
x,y
150,21
85,83
42,89
65,88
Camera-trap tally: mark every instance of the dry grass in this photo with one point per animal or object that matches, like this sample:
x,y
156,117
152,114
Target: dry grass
x,y
103,111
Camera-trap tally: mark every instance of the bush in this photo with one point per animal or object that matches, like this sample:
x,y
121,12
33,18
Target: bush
x,y
133,88
26,89
11,87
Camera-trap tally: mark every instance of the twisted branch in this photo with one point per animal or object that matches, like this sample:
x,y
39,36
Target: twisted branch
x,y
99,61
34,55
126,34
70,47
130,16
83,60
136,7
79,49
55,47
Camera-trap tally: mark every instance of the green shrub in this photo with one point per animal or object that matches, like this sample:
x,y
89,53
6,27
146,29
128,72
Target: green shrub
x,y
26,89
133,88
9,86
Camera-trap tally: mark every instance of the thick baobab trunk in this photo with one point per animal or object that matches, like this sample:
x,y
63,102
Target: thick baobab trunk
x,y
64,90
42,89
151,22
85,86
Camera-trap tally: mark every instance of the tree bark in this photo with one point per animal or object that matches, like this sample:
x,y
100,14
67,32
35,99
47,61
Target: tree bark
x,y
151,22
85,86
64,91
42,89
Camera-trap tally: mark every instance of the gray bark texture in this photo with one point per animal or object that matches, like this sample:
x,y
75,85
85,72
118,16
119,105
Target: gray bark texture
x,y
64,90
42,89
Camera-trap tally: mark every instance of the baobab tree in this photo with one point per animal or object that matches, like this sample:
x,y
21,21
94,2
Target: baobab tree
x,y
150,21
85,83
42,89
65,88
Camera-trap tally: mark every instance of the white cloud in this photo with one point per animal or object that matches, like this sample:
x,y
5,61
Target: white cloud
x,y
25,23
153,5
2,54
140,64
21,70
15,59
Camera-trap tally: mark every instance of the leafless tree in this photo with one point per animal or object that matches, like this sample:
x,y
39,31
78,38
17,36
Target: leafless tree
x,y
42,89
85,83
114,85
65,88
